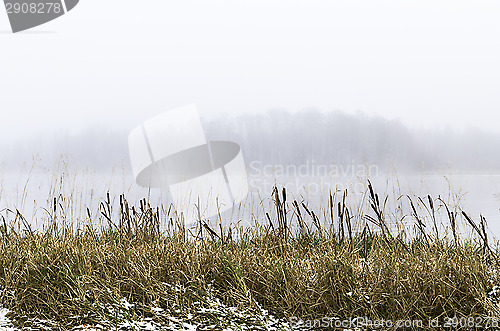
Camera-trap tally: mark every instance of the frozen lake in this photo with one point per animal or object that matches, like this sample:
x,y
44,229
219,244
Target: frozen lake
x,y
33,193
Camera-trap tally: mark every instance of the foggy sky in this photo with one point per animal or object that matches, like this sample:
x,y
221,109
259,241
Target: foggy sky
x,y
118,62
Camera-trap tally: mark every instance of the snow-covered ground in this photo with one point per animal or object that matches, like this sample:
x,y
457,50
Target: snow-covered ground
x,y
5,322
212,314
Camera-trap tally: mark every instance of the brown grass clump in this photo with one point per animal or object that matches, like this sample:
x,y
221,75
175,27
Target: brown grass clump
x,y
282,265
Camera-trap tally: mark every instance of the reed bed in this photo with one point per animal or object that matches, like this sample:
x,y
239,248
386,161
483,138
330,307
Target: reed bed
x,y
294,264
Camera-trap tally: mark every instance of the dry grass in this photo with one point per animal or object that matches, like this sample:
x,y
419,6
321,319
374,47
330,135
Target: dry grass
x,y
282,264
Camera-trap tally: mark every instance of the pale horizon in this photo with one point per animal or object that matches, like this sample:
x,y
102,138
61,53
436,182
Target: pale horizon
x,y
429,64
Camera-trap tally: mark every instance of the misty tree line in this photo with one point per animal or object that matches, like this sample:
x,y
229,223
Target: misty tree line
x,y
281,138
